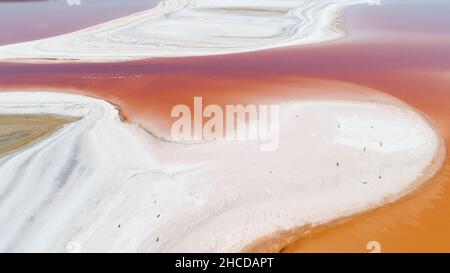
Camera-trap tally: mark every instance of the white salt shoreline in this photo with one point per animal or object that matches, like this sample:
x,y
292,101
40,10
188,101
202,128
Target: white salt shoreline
x,y
178,28
104,185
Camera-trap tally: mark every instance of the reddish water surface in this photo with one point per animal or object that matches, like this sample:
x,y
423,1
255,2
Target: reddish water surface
x,y
399,49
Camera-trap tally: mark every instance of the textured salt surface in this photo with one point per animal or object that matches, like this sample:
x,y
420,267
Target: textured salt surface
x,y
99,184
192,28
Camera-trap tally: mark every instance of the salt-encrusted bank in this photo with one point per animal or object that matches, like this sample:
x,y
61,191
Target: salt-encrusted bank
x,y
192,28
99,184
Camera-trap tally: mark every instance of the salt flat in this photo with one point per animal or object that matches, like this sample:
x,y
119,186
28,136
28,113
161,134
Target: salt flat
x,y
192,28
99,184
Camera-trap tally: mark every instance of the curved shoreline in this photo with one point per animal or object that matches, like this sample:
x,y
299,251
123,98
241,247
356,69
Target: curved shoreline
x,y
279,241
169,30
